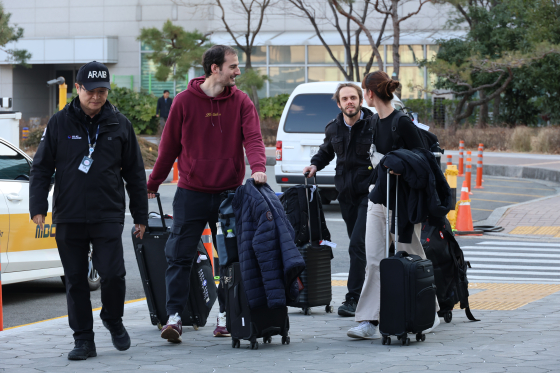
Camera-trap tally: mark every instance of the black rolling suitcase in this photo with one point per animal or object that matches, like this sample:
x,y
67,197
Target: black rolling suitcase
x,y
150,254
407,289
250,324
316,278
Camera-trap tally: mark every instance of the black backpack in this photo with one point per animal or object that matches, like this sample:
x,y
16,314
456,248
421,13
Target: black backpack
x,y
429,139
450,269
295,205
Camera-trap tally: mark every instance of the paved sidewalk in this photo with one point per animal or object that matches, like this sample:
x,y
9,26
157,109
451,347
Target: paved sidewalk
x,y
540,218
523,340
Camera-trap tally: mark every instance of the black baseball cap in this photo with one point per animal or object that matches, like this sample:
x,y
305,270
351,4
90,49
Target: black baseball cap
x,y
94,75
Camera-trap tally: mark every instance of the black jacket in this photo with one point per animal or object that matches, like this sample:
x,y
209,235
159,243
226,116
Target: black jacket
x,y
163,107
354,171
423,190
97,196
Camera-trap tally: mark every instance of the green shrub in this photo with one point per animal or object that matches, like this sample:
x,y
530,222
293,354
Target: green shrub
x,y
272,107
138,107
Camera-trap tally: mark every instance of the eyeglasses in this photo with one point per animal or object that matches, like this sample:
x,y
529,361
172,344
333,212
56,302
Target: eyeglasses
x,y
99,91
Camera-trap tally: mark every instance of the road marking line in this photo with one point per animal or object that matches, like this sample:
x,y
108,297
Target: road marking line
x,y
530,279
472,208
333,219
497,272
498,248
491,200
61,317
538,164
477,266
512,187
524,255
510,194
509,260
518,243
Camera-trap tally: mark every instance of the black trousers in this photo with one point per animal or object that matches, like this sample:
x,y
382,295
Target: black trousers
x,y
73,240
355,218
191,211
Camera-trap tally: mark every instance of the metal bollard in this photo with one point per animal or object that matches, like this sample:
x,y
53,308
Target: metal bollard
x,y
461,157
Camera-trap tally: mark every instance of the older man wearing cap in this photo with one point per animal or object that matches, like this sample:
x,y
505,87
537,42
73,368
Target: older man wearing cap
x,y
93,148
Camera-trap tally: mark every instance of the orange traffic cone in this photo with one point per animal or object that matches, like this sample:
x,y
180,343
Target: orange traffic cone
x,y
464,223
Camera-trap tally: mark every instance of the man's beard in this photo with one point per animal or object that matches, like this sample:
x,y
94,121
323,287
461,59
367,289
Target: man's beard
x,y
358,110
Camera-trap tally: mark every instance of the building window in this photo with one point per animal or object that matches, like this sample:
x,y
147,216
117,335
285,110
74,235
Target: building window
x,y
318,54
408,53
432,51
324,74
285,79
286,55
365,53
409,76
262,71
258,55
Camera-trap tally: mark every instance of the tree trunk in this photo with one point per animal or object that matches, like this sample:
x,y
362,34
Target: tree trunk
x,y
253,95
396,43
496,112
483,113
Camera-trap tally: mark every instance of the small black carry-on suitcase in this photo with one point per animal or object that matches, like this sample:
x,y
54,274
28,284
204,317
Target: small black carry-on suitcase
x,y
407,289
250,324
316,278
150,254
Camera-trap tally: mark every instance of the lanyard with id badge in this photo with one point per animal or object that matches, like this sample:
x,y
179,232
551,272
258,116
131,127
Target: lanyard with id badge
x,y
87,160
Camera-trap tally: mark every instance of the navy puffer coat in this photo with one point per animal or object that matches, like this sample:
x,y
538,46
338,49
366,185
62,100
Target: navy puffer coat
x,y
269,260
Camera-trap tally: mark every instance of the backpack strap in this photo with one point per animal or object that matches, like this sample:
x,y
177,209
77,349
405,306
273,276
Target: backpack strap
x,y
394,128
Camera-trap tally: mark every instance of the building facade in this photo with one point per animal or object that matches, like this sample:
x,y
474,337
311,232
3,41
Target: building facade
x,y
61,35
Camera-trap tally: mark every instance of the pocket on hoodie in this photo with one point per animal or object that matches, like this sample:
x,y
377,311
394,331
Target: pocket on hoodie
x,y
213,173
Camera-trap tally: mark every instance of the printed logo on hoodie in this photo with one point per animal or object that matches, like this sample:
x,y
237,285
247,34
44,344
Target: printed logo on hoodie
x,y
213,115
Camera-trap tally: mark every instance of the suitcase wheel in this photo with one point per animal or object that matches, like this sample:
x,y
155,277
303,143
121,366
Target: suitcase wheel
x,y
195,326
159,326
420,337
329,309
306,311
405,341
254,345
448,316
267,340
286,340
386,340
235,343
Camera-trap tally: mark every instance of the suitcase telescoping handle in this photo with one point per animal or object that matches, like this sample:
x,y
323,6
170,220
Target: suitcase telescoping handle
x,y
160,211
309,208
387,220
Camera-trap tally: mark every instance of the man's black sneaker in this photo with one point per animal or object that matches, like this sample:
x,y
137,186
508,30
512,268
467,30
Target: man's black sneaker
x,y
119,335
82,350
348,308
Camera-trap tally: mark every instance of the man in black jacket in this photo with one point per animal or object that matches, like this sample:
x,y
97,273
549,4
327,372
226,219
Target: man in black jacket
x,y
162,110
93,148
349,137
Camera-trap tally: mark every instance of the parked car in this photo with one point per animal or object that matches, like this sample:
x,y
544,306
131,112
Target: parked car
x,y
27,251
302,130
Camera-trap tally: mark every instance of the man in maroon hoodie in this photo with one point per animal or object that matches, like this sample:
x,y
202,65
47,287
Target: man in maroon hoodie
x,y
207,128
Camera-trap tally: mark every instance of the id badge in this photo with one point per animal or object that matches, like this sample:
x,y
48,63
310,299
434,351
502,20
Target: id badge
x,y
86,164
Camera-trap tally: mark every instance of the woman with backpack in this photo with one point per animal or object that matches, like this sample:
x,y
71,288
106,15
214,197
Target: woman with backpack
x,y
378,93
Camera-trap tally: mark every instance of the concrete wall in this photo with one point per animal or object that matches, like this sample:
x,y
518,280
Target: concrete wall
x,y
6,81
30,90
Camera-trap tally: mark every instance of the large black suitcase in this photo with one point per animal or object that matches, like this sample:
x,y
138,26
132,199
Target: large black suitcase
x,y
316,278
407,289
150,254
249,324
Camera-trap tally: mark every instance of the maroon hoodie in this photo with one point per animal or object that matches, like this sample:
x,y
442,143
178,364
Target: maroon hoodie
x,y
207,135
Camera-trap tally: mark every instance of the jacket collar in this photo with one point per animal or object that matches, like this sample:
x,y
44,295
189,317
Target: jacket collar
x,y
107,119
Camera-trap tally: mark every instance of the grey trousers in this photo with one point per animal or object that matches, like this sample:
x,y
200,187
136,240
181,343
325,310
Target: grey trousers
x,y
369,303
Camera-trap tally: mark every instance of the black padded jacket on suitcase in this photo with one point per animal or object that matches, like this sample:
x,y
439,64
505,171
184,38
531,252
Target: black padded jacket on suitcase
x,y
249,324
150,255
316,278
407,290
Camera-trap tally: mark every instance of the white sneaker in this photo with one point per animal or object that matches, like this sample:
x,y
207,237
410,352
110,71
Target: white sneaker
x,y
436,323
365,330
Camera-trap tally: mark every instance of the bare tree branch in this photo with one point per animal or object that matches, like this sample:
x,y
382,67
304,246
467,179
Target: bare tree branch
x,y
416,12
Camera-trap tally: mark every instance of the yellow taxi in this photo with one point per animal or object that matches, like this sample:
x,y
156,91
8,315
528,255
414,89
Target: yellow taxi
x,y
27,252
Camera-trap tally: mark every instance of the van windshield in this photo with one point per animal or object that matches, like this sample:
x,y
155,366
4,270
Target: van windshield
x,y
310,113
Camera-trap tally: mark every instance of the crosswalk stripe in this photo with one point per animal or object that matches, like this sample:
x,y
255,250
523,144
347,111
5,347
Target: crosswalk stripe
x,y
512,279
509,249
515,272
509,260
477,266
518,243
510,255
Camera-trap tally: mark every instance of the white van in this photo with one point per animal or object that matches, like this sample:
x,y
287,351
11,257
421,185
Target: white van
x,y
302,130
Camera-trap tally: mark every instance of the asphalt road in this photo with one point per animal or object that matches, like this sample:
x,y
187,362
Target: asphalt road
x,y
44,299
